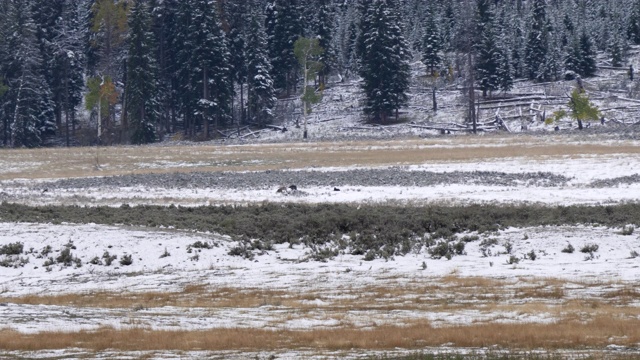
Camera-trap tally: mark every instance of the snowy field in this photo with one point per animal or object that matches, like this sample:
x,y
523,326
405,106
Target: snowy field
x,y
292,292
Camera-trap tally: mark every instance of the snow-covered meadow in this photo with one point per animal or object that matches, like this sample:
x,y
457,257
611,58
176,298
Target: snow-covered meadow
x,y
297,293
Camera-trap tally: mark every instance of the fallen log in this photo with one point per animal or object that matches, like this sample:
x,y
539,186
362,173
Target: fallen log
x,y
250,133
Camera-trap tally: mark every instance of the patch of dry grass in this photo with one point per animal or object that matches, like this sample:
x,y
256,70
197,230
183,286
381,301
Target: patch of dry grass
x,y
597,333
191,296
117,160
434,294
597,319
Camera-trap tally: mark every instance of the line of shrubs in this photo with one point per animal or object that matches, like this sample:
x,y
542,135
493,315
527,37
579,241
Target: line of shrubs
x,y
386,230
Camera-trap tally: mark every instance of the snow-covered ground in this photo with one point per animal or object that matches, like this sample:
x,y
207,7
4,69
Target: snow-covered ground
x,y
283,268
588,175
286,268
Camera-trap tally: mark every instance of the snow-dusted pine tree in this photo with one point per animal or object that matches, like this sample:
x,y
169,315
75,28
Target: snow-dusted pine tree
x,y
633,26
261,94
588,56
324,29
210,73
164,28
71,61
283,27
238,20
537,41
182,43
384,55
432,45
30,108
142,103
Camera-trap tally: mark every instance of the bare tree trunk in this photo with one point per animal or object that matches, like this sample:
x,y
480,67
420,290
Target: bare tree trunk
x,y
242,111
205,96
435,101
124,122
66,95
472,94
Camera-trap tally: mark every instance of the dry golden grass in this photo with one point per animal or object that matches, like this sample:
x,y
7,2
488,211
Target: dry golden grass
x,y
597,333
81,162
191,296
540,292
595,320
435,294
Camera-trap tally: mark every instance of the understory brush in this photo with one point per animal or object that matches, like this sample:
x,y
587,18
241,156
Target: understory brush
x,y
370,230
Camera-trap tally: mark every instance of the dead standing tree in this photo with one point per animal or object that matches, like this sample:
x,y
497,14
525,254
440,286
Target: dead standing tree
x,y
466,43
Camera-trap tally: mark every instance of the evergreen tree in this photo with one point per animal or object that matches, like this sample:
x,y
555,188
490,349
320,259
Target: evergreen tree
x,y
492,65
580,56
588,56
4,64
142,102
537,41
487,50
47,16
449,24
384,56
573,57
261,94
633,27
70,59
283,27
615,51
29,106
551,68
236,23
505,71
350,58
164,27
518,63
569,30
210,74
324,29
181,43
431,45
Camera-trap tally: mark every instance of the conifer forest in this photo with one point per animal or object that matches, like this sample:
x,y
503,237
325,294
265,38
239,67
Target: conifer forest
x,y
134,71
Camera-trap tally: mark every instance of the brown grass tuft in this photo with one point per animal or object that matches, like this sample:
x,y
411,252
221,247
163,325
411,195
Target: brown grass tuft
x,y
598,333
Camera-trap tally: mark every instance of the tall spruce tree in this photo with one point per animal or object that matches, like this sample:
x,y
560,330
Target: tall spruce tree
x,y
537,41
580,56
236,22
488,55
164,27
633,26
492,65
142,102
261,94
210,73
47,16
384,55
71,61
29,107
284,26
182,43
4,63
323,30
431,45
588,59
